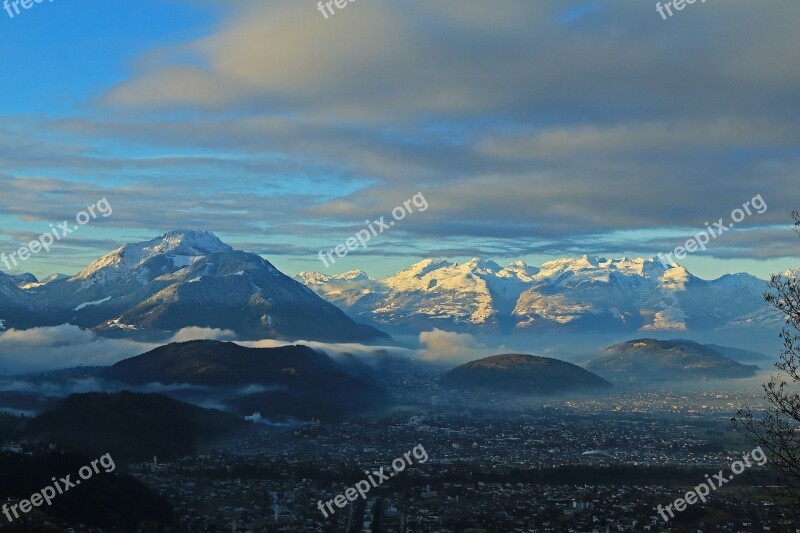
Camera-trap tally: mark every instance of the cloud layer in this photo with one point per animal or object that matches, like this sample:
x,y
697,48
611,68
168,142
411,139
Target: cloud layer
x,y
51,348
540,127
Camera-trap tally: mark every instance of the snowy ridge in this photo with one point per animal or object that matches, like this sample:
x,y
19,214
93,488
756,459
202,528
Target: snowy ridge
x,y
583,294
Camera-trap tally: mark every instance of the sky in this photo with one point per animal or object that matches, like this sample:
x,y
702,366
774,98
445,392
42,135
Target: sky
x,y
533,129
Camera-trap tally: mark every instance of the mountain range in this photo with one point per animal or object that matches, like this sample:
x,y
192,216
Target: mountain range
x,y
589,294
178,280
191,278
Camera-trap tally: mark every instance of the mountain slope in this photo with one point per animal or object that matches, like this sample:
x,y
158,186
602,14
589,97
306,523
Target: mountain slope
x,y
741,356
522,374
650,360
183,279
16,309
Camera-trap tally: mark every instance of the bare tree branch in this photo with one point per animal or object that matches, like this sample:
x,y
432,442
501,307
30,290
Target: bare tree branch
x,y
777,429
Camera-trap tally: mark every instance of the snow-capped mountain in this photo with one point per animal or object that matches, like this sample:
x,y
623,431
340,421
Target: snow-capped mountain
x,y
183,279
792,273
766,317
580,295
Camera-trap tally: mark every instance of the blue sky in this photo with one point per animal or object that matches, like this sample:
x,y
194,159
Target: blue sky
x,y
535,130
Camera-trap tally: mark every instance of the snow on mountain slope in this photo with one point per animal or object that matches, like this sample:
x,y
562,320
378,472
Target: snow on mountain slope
x,y
593,293
352,290
763,315
442,291
584,294
610,294
476,295
315,278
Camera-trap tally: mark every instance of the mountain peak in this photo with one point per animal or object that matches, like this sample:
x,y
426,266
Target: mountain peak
x,y
485,264
181,245
354,275
520,270
594,261
189,242
425,266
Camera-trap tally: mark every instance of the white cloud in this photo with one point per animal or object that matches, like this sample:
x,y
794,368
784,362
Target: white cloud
x,y
363,352
51,348
194,333
65,346
448,347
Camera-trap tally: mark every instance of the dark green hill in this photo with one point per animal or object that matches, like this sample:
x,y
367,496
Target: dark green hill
x,y
651,360
109,501
297,370
522,374
132,426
